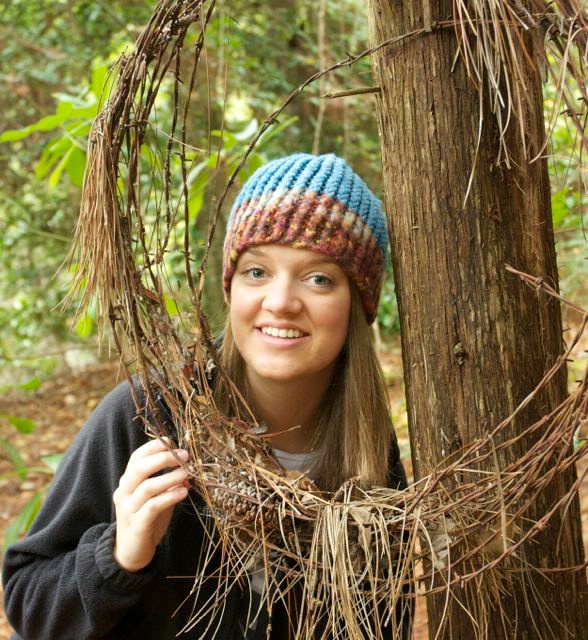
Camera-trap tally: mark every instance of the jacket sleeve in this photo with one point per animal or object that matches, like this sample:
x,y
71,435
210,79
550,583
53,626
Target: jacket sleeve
x,y
62,581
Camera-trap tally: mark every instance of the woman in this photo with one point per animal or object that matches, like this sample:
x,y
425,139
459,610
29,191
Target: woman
x,y
113,548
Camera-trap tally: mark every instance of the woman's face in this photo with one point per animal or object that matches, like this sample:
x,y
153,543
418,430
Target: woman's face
x,y
289,312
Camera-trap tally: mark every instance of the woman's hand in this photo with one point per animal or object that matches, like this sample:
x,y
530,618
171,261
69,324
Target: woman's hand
x,y
144,504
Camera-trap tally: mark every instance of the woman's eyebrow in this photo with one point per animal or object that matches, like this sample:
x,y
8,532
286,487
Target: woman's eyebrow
x,y
315,261
319,261
256,252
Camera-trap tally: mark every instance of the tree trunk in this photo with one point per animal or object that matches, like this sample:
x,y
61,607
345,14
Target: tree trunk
x,y
475,339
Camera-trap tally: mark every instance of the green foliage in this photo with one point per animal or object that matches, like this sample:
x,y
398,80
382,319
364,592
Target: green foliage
x,y
13,454
70,124
56,69
85,326
30,385
568,201
24,519
47,48
257,53
23,425
229,155
388,317
21,469
47,105
35,231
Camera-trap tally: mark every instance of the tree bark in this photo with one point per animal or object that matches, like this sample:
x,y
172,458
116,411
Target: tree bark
x,y
475,339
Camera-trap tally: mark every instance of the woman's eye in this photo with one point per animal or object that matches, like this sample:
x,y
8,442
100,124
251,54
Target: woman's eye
x,y
256,273
320,280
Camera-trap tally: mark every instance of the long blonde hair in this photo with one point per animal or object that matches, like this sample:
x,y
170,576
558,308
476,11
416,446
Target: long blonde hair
x,y
353,424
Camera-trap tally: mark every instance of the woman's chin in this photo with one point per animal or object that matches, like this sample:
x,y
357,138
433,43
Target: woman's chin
x,y
278,374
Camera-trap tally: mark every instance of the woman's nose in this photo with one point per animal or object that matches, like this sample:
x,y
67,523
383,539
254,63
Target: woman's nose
x,y
282,297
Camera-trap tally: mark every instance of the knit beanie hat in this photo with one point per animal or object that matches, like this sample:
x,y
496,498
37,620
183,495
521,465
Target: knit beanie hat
x,y
316,203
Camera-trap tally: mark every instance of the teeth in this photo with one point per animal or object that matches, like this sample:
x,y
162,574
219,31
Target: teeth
x,y
282,333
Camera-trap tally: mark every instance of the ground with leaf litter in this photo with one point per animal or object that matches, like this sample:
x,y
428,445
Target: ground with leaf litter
x,y
60,406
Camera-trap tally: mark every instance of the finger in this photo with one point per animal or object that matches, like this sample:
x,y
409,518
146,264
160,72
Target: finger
x,y
153,487
139,469
158,505
138,535
151,447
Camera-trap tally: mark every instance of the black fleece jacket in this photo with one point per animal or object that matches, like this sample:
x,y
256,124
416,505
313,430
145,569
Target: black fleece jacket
x,y
61,582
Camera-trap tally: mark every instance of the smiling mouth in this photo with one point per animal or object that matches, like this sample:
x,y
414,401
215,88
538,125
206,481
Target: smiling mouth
x,y
282,333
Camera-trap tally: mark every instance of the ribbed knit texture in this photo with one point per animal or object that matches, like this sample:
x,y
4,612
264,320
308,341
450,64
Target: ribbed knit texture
x,y
317,203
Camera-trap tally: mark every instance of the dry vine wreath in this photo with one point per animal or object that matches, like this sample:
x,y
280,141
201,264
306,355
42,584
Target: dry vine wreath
x,y
354,555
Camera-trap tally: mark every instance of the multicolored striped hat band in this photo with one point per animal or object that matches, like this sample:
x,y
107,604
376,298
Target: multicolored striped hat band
x,y
317,203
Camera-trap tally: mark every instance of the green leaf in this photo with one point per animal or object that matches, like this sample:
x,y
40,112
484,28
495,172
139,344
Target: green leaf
x,y
253,163
53,460
213,159
51,153
72,107
30,385
84,326
80,129
98,78
12,452
48,123
171,306
61,165
22,523
272,132
559,208
102,81
15,134
198,175
66,102
195,203
75,167
228,138
23,425
248,131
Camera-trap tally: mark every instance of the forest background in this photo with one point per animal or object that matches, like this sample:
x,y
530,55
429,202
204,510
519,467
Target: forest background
x,y
54,61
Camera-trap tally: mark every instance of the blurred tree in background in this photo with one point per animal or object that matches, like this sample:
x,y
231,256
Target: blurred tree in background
x,y
53,63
